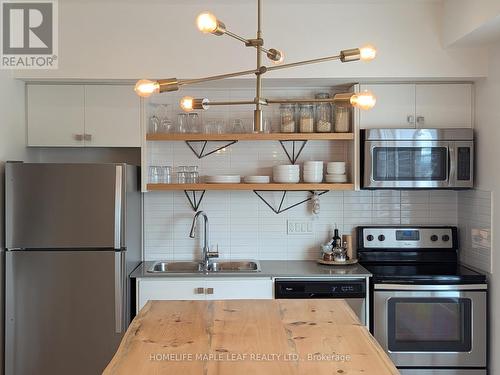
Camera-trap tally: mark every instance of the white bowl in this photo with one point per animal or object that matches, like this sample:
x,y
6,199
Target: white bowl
x,y
313,180
286,180
287,167
336,167
281,173
313,170
257,179
336,178
313,173
313,163
337,171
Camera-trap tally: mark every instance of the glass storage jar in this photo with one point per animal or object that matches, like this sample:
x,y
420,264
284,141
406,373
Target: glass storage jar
x,y
287,116
342,119
323,115
306,122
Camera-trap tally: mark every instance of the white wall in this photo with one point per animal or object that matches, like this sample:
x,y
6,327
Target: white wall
x,y
152,38
488,178
469,21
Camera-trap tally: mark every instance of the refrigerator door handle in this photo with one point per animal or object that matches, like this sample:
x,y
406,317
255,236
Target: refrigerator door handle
x,y
119,293
118,207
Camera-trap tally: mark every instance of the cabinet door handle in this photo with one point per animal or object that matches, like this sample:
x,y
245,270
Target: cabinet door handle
x,y
410,119
78,137
87,137
199,291
420,120
210,290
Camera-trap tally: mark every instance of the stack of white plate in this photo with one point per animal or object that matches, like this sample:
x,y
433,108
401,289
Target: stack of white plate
x,y
336,172
286,174
223,179
257,179
313,171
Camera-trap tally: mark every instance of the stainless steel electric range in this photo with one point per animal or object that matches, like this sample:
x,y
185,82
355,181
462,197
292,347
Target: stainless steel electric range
x,y
428,312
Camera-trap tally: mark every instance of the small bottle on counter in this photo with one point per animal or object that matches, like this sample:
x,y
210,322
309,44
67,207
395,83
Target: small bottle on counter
x,y
347,240
336,240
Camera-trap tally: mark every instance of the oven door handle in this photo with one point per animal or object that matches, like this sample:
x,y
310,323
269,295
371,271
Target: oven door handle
x,y
430,287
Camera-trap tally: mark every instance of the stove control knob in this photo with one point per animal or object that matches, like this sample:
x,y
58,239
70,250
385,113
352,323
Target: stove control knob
x,y
369,237
381,237
445,238
434,238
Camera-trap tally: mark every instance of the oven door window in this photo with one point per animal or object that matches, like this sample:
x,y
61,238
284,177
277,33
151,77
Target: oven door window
x,y
429,325
410,163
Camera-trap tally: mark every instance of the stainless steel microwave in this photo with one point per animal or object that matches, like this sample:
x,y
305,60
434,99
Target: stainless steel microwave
x,y
417,158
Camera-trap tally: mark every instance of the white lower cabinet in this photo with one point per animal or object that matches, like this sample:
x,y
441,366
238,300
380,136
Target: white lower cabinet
x,y
202,289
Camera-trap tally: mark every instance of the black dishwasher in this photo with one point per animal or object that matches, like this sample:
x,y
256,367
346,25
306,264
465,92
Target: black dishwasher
x,y
352,291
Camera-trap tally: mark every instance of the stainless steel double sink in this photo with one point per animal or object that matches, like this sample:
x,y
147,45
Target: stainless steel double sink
x,y
222,266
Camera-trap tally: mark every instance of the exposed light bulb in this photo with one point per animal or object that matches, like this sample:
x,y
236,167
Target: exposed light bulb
x,y
145,88
367,53
364,100
186,103
277,56
206,22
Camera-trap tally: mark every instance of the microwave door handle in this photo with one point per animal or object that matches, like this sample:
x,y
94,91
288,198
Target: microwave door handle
x,y
451,164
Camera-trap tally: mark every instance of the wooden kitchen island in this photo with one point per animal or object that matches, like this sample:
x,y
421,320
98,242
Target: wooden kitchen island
x,y
249,337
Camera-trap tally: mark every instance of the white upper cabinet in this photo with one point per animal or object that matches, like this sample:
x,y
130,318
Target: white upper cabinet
x,y
55,115
444,105
83,115
439,105
112,116
395,107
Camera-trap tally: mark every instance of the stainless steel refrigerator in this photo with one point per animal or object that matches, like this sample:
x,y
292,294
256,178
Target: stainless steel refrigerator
x,y
73,235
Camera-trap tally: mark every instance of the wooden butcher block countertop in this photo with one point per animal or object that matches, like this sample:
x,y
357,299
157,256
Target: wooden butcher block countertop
x,y
249,337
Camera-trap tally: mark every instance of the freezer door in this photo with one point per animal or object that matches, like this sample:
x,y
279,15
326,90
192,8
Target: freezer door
x,y
64,205
63,311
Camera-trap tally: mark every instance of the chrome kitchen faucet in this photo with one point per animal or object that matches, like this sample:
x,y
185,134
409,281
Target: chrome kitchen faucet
x,y
206,254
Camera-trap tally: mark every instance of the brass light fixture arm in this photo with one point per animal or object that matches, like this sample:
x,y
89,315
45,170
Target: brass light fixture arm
x,y
146,87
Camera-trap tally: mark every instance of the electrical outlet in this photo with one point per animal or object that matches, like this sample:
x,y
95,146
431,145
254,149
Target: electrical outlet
x,y
299,227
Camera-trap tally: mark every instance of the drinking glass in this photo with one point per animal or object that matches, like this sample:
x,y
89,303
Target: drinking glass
x,y
182,177
154,125
166,126
182,123
238,126
221,126
193,177
194,122
166,175
155,174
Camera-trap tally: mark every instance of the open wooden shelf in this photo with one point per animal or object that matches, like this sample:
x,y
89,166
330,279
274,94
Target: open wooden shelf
x,y
250,137
243,186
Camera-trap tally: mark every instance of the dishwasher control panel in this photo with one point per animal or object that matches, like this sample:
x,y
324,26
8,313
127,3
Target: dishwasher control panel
x,y
320,289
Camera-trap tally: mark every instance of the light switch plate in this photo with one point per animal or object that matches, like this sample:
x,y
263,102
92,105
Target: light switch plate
x,y
299,227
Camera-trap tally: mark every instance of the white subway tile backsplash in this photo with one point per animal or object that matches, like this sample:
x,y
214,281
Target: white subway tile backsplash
x,y
474,220
244,227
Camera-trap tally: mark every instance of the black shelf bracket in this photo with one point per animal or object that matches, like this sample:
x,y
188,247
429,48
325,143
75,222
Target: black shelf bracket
x,y
296,150
194,201
280,208
201,152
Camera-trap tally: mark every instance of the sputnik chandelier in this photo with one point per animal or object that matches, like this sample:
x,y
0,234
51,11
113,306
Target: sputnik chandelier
x,y
209,24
